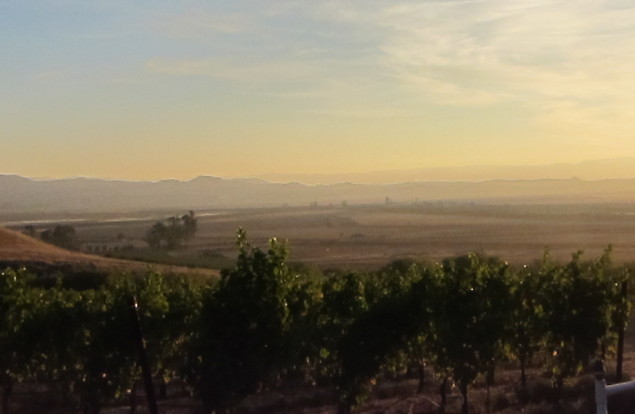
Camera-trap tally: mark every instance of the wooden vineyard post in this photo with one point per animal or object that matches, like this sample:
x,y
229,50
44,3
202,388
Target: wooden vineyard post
x,y
143,356
600,388
620,338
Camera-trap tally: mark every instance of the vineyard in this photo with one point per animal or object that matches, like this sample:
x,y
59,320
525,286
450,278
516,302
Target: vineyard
x,y
266,324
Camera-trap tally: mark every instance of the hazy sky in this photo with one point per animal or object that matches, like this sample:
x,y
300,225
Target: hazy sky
x,y
159,89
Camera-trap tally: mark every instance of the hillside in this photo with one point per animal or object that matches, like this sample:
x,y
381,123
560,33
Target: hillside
x,y
19,249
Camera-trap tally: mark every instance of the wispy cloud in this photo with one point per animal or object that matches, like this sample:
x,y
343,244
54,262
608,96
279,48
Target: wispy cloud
x,y
241,69
283,43
199,24
569,63
482,51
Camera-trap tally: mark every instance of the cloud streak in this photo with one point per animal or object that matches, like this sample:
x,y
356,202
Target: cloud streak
x,y
235,69
504,51
569,64
459,52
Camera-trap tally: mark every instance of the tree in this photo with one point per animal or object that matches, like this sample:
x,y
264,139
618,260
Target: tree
x,y
387,327
190,224
30,231
303,345
526,328
168,307
344,298
394,279
156,234
620,309
63,236
38,329
172,233
56,323
105,358
244,324
16,345
576,299
469,319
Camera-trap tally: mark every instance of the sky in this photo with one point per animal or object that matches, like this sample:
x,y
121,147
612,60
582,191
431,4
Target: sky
x,y
147,90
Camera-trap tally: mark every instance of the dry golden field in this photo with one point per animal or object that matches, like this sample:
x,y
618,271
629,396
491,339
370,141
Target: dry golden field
x,y
370,236
18,248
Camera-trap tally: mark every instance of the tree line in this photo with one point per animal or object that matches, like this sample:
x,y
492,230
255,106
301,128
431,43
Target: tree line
x,y
173,232
169,234
266,321
62,235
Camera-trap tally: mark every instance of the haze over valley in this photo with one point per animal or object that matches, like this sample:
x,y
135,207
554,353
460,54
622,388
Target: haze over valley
x,y
559,184
347,224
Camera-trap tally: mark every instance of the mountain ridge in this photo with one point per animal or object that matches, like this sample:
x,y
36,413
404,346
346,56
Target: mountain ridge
x,y
25,195
595,169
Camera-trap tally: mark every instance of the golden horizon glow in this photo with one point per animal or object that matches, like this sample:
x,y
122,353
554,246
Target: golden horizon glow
x,y
177,90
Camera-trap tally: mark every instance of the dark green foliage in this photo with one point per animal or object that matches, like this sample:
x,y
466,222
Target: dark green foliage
x,y
262,324
169,308
105,356
526,323
172,233
244,327
471,312
385,328
16,347
343,300
63,236
576,303
303,342
30,231
82,339
156,235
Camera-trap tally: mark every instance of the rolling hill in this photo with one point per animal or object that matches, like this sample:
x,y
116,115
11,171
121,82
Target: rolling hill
x,y
17,249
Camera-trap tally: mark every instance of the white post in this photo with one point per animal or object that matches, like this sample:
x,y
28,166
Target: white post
x,y
600,388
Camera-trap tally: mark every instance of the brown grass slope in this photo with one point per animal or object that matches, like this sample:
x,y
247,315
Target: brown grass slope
x,y
20,249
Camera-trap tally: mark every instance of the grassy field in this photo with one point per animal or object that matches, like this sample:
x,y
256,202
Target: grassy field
x,y
370,236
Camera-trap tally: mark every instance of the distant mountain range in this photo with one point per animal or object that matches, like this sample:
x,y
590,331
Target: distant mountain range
x,y
600,169
20,195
